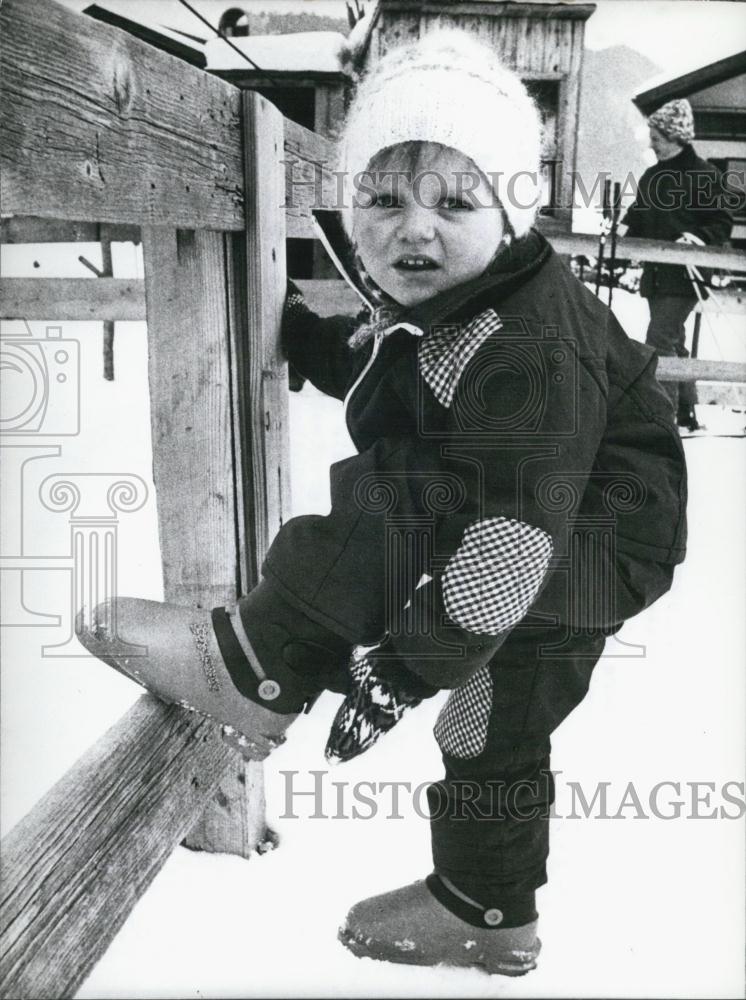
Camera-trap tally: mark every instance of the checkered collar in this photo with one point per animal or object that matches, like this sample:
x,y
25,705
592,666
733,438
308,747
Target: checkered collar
x,y
447,349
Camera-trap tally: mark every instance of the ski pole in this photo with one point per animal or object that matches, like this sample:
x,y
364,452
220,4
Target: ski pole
x,y
615,212
602,235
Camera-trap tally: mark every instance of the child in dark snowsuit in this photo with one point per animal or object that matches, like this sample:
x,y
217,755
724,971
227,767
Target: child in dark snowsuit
x,y
518,493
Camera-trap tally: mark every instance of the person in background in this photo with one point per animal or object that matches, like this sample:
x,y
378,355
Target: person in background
x,y
682,197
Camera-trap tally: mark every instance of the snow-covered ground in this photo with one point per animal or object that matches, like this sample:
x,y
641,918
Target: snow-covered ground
x,y
636,906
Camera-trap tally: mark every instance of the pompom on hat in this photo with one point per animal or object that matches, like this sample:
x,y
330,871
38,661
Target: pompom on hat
x,y
450,89
674,120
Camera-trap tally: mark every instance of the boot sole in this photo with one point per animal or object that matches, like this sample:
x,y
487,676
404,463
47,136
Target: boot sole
x,y
250,748
237,741
515,964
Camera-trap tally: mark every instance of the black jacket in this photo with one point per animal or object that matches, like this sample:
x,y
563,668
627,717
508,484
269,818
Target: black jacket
x,y
682,195
521,432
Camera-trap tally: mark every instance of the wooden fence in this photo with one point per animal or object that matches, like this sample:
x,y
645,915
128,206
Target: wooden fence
x,y
107,139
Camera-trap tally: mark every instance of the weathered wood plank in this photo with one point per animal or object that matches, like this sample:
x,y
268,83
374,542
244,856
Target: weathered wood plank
x,y
264,392
653,250
159,145
75,866
99,126
190,414
233,819
30,229
696,370
72,299
310,182
491,8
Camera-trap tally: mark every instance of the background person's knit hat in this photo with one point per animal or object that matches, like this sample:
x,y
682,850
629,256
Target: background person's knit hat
x,y
674,120
450,89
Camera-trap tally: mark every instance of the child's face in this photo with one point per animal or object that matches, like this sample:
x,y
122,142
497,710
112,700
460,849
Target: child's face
x,y
423,231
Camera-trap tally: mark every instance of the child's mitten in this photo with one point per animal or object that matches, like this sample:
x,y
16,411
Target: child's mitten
x,y
379,694
295,312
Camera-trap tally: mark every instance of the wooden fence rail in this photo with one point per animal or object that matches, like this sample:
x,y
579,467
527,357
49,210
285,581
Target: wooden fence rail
x,y
74,867
657,251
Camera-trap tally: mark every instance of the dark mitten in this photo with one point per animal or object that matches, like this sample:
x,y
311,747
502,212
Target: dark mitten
x,y
379,694
295,311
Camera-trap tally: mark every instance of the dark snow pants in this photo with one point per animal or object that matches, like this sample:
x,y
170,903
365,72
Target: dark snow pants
x,y
490,814
668,314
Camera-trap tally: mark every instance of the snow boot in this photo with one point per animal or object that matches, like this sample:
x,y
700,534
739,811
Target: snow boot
x,y
411,926
246,671
686,419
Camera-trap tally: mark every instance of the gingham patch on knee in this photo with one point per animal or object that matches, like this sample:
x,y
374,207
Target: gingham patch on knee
x,y
491,581
461,727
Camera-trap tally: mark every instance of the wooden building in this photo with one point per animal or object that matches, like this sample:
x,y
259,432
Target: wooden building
x,y
717,94
310,79
301,73
541,41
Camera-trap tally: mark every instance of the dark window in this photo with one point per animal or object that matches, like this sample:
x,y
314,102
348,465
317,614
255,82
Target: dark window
x,y
546,95
720,124
734,170
296,103
300,258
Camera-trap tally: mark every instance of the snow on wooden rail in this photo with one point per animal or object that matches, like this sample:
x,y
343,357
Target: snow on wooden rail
x,y
74,867
698,370
658,251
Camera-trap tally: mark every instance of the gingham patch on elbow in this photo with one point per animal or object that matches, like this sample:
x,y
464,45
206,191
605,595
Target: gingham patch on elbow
x,y
495,574
461,727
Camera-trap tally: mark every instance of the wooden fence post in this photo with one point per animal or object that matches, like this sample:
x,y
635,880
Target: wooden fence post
x,y
194,468
263,396
220,418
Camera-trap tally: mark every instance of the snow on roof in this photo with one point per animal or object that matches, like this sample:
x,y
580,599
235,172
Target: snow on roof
x,y
303,52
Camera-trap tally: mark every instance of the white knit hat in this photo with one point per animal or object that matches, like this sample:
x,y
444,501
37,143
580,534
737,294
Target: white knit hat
x,y
675,120
450,89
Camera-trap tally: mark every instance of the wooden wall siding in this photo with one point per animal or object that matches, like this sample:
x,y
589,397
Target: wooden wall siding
x,y
392,30
97,129
329,110
526,44
310,161
535,47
